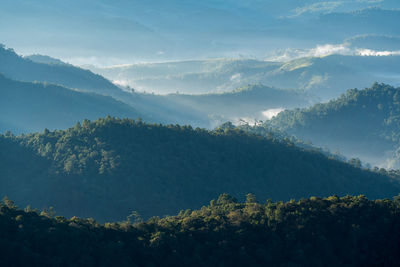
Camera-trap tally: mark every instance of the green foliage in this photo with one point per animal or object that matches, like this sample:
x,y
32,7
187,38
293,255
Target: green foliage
x,y
134,217
107,168
333,231
250,198
355,112
365,123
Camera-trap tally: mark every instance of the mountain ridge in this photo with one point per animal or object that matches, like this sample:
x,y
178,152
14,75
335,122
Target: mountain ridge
x,y
29,107
360,123
18,68
157,170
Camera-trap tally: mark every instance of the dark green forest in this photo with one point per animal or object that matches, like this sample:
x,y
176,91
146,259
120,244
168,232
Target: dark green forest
x,y
200,133
362,123
110,167
333,231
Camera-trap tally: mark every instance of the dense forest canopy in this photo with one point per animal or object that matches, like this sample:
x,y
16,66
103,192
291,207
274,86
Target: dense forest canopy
x,y
333,231
187,133
361,123
107,168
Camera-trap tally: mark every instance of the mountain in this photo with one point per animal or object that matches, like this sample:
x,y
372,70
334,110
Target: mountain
x,y
375,42
327,76
190,77
49,70
132,30
361,123
18,68
324,76
173,108
363,21
31,107
107,168
45,59
309,232
249,103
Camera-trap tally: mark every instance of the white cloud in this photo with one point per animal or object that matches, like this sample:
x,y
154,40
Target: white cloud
x,y
270,113
318,51
318,7
94,61
236,77
326,50
329,49
121,82
374,53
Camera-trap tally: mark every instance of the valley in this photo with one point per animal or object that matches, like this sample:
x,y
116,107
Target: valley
x,y
199,133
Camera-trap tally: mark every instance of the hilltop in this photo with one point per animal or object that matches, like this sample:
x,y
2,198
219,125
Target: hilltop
x,y
107,168
360,123
330,231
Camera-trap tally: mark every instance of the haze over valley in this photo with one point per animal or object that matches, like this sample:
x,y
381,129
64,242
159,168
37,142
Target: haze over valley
x,y
199,133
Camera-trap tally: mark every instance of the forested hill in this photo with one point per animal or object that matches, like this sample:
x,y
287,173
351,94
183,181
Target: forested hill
x,y
108,168
348,231
363,123
31,107
18,68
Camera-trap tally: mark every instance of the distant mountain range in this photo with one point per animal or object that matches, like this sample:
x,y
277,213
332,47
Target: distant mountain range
x,y
45,60
30,107
25,69
248,102
252,122
326,77
375,42
134,30
107,168
233,98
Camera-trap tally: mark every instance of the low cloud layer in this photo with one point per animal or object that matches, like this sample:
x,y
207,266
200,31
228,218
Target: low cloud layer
x,y
270,113
327,50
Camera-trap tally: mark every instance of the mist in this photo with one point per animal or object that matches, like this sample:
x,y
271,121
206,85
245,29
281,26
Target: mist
x,y
243,61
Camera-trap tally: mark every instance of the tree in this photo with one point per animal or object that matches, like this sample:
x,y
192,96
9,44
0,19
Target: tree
x,y
250,198
134,217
